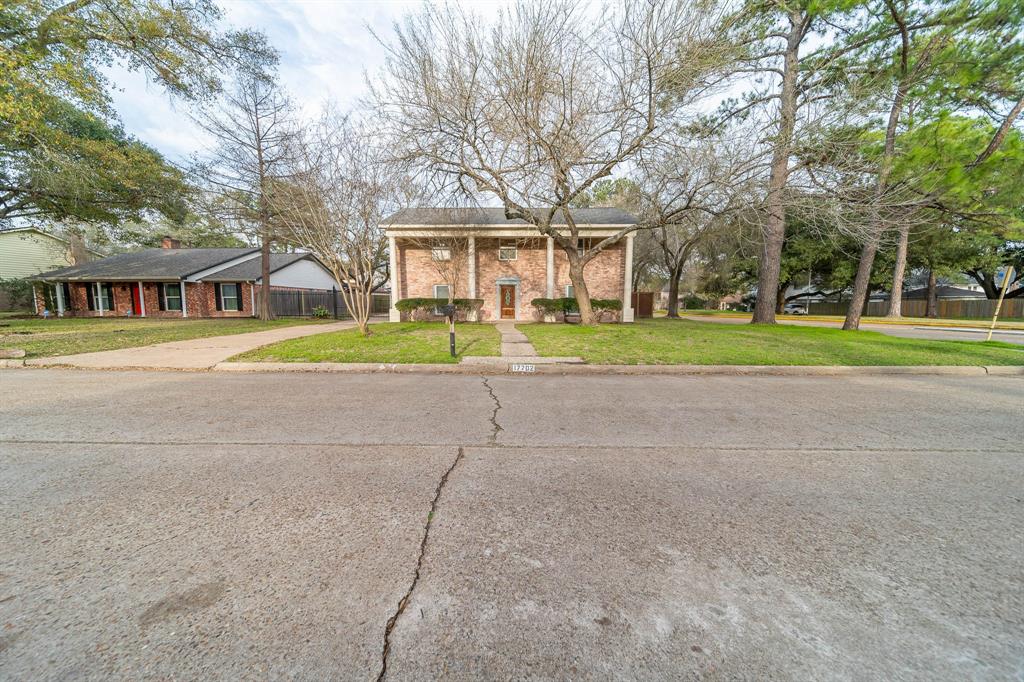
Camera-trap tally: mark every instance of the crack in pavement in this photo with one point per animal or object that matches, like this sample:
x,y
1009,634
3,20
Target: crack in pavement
x,y
493,438
404,601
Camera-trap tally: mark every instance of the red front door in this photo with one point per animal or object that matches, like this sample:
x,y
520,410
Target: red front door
x,y
508,302
136,299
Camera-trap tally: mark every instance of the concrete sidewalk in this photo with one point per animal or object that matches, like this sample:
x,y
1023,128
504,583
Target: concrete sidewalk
x,y
192,354
910,330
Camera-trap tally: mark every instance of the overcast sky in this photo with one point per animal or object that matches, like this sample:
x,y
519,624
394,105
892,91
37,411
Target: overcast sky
x,y
326,48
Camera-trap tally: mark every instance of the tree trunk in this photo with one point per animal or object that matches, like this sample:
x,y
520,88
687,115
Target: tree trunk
x,y
579,288
862,283
899,272
780,298
770,262
266,312
673,293
932,307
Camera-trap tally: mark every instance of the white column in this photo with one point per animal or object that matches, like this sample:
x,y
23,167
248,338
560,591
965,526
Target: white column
x,y
142,300
393,314
550,291
99,297
472,273
627,284
60,299
184,307
252,299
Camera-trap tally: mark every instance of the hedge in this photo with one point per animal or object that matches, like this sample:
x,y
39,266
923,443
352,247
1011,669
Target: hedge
x,y
426,306
568,306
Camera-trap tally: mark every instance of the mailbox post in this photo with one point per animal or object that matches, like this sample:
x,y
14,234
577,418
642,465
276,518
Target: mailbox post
x,y
449,312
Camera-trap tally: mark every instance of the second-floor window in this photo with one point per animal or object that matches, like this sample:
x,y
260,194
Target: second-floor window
x,y
507,250
441,253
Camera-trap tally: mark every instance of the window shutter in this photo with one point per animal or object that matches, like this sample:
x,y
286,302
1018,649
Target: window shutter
x,y
89,296
216,294
160,296
241,301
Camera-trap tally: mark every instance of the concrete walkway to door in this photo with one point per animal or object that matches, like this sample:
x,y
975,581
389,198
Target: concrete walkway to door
x,y
514,343
516,349
193,354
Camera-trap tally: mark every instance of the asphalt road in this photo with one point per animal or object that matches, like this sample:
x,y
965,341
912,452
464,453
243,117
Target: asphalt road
x,y
956,331
194,525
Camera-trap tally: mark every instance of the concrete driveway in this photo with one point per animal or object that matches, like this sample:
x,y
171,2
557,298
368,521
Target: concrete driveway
x,y
191,354
953,332
185,525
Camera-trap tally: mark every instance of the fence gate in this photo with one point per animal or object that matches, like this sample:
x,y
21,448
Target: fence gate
x,y
306,302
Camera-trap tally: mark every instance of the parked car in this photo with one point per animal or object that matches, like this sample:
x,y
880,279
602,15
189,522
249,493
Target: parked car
x,y
795,309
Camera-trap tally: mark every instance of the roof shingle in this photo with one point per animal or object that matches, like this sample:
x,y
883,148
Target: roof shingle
x,y
495,217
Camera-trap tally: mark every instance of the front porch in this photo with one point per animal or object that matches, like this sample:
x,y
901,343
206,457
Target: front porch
x,y
160,299
504,269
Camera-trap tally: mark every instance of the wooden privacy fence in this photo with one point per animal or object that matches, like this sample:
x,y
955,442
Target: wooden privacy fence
x,y
303,303
967,309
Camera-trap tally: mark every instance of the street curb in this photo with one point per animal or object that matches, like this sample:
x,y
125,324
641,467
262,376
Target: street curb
x,y
502,368
621,370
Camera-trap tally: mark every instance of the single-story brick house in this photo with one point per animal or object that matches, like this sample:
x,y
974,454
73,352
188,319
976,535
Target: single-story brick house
x,y
174,282
508,262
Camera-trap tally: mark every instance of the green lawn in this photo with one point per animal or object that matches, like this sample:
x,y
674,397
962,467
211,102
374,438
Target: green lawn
x,y
43,338
661,342
398,342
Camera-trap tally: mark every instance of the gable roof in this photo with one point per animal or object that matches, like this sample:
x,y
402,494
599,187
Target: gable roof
x,y
251,270
149,264
495,217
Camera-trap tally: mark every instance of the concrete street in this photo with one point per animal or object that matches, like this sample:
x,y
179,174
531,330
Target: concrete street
x,y
954,331
224,526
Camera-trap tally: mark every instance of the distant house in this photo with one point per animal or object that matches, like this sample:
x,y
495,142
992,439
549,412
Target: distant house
x,y
942,293
174,282
27,251
508,263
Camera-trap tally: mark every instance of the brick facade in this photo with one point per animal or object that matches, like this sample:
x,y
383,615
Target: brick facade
x,y
200,301
604,274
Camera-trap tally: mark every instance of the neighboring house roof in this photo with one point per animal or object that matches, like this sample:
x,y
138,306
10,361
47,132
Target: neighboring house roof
x,y
251,270
941,292
495,217
27,251
149,264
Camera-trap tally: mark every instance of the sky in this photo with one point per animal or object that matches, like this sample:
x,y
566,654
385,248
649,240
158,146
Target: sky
x,y
326,47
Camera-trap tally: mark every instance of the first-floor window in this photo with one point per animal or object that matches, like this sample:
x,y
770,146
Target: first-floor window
x,y
100,293
569,291
172,296
440,291
230,297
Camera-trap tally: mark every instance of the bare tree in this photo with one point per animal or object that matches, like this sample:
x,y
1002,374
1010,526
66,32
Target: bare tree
x,y
449,258
334,201
536,108
252,131
686,192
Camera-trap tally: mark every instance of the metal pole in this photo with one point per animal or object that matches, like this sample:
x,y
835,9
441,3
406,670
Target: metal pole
x,y
807,309
451,336
999,303
334,300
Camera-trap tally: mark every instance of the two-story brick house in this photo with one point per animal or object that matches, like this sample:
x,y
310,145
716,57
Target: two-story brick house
x,y
508,263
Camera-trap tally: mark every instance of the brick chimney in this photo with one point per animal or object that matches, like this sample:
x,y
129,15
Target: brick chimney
x,y
168,243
